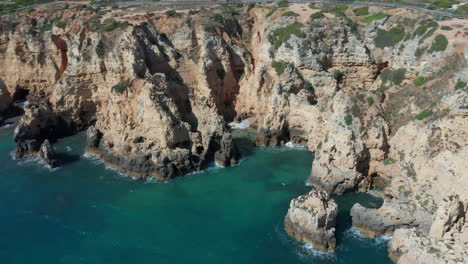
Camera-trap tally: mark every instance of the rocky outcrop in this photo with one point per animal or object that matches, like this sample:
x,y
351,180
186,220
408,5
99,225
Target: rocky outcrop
x,y
5,99
311,219
445,243
47,154
457,102
355,139
156,93
449,218
384,220
38,123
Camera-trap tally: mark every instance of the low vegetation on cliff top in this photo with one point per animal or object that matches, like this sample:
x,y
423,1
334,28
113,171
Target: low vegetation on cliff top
x,y
389,38
279,66
281,35
374,17
439,44
121,86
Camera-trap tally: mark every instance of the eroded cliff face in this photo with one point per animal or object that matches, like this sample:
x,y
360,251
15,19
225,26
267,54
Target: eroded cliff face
x,y
379,101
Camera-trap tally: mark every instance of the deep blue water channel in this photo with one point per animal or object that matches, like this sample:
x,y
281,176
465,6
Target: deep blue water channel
x,y
84,212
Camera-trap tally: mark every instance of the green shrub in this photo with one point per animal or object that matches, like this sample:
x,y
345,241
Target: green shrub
x,y
424,27
45,27
377,16
393,76
193,12
217,18
281,35
424,114
279,66
271,12
317,15
361,11
447,28
370,100
251,5
62,24
438,44
348,119
283,4
338,75
233,12
462,10
172,13
460,85
290,14
419,52
209,29
312,6
442,3
120,87
110,25
389,38
382,89
420,80
336,9
388,161
101,49
309,87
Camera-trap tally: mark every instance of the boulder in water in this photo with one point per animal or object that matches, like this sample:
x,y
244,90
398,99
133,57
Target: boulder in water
x,y
47,154
311,219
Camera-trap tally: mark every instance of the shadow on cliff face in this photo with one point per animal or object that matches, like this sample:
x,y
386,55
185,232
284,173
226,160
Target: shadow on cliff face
x,y
244,140
159,63
345,203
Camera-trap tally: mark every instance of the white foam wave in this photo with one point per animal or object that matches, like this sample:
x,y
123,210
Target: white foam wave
x,y
217,165
354,233
93,159
316,253
289,144
244,124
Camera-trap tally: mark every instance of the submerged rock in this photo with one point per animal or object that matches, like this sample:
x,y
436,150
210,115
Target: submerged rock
x,y
311,219
48,155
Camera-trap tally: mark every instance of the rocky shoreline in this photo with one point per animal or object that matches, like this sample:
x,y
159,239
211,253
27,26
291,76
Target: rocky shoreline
x,y
156,92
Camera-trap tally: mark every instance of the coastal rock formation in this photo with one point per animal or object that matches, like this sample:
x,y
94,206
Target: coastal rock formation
x,y
383,221
355,138
445,243
311,219
47,154
449,218
38,123
5,99
380,100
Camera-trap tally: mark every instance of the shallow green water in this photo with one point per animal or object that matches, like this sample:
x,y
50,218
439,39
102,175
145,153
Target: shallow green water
x,y
85,213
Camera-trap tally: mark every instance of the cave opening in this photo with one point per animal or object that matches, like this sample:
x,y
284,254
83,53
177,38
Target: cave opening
x,y
20,94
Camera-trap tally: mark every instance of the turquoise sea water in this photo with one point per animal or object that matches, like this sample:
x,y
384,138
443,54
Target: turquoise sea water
x,y
83,212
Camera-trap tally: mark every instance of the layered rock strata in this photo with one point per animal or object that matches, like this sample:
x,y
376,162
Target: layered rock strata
x,y
385,99
311,218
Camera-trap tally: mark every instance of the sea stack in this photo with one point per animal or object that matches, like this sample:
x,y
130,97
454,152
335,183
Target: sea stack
x,y
311,219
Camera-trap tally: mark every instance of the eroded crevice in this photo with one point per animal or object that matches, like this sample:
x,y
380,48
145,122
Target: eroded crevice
x,y
61,45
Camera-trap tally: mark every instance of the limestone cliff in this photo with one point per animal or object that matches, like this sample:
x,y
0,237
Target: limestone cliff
x,y
379,101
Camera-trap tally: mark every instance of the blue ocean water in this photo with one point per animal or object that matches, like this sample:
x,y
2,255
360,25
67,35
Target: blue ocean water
x,y
84,212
